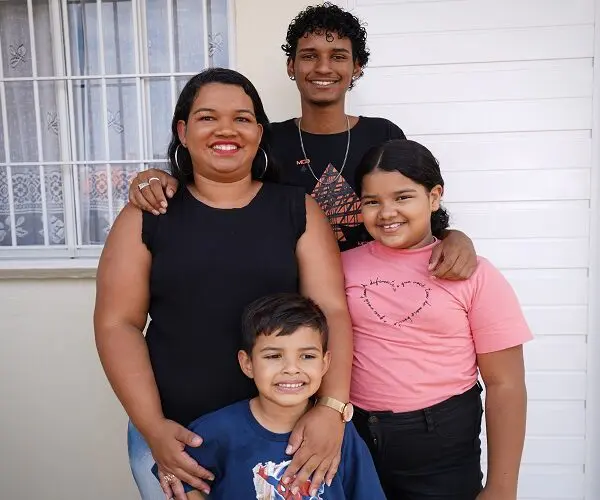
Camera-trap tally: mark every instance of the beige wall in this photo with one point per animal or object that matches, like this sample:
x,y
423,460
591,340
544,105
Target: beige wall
x,y
62,432
261,29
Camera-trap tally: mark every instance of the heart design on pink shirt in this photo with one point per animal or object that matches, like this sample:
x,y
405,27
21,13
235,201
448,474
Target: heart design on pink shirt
x,y
419,290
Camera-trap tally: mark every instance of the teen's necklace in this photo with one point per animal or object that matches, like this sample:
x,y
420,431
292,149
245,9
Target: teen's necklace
x,y
307,161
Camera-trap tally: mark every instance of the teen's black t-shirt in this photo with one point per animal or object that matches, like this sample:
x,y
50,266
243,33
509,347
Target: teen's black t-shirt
x,y
335,195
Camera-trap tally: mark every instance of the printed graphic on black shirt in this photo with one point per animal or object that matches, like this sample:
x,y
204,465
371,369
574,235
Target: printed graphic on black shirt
x,y
341,205
337,200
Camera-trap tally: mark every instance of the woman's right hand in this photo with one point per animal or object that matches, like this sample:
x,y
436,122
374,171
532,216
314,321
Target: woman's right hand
x,y
167,444
155,184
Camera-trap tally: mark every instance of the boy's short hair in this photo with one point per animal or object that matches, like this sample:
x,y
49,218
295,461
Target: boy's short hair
x,y
282,314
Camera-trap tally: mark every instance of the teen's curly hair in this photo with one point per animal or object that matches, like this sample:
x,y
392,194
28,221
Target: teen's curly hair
x,y
329,19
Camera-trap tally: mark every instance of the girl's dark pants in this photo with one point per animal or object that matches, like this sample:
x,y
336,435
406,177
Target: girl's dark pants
x,y
430,454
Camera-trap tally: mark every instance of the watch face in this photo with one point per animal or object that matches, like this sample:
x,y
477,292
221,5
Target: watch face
x,y
348,412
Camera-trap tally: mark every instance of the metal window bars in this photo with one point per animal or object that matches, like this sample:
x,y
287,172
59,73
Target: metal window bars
x,y
74,152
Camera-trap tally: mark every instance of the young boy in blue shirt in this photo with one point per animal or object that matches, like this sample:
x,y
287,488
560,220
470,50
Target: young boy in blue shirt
x,y
285,351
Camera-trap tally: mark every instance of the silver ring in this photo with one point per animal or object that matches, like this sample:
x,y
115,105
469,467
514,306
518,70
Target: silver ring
x,y
153,179
143,185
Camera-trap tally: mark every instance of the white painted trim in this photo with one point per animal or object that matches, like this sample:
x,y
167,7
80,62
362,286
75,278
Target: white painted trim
x,y
171,42
100,23
231,34
38,122
205,39
141,60
62,99
592,462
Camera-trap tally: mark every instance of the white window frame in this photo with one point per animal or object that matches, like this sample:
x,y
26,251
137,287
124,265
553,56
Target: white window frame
x,y
73,255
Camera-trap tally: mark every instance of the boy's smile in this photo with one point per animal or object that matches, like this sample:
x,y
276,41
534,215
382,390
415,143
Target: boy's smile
x,y
287,369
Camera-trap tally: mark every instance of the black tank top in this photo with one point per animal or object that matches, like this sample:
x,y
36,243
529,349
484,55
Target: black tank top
x,y
207,265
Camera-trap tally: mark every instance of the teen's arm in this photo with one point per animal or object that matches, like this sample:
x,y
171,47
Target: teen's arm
x,y
317,438
152,198
196,495
122,297
454,258
503,374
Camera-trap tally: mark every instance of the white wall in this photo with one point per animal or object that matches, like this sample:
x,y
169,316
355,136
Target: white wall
x,y
62,431
502,94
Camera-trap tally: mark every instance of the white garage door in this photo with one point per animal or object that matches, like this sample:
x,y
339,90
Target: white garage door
x,y
501,91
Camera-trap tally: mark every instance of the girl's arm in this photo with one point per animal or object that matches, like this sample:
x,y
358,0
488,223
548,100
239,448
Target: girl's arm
x,y
122,298
318,435
503,374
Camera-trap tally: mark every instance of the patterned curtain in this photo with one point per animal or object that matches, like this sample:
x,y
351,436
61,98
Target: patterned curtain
x,y
101,189
22,131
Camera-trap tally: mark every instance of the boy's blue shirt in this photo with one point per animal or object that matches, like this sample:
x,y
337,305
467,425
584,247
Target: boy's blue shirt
x,y
249,460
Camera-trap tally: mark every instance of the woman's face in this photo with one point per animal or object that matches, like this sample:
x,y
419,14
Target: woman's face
x,y
396,210
221,133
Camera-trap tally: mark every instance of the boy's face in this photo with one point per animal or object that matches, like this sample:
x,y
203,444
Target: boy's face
x,y
323,67
287,369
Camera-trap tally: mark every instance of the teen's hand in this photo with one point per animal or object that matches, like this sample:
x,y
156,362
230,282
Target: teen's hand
x,y
454,258
316,443
152,197
167,444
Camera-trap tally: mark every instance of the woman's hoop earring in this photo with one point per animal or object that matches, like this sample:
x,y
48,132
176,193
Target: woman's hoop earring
x,y
175,155
266,162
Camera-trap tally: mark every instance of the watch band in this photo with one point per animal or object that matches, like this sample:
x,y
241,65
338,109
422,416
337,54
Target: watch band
x,y
332,403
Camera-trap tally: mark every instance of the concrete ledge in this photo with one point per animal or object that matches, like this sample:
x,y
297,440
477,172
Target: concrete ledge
x,y
48,269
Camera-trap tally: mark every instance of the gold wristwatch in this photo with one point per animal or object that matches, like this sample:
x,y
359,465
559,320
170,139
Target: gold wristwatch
x,y
346,410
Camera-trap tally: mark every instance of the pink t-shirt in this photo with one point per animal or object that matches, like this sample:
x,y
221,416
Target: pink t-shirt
x,y
416,338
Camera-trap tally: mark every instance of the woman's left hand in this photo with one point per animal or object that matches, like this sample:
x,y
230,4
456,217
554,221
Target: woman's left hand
x,y
454,258
171,486
316,443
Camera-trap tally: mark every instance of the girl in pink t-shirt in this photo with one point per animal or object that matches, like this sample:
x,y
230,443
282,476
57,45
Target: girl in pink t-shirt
x,y
420,343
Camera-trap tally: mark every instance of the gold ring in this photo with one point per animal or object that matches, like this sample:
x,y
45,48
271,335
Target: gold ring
x,y
169,478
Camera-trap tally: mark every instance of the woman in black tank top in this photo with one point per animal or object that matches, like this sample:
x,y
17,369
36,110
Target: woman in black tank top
x,y
230,236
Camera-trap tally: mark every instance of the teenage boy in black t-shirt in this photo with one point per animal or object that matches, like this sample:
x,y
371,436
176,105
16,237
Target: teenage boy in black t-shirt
x,y
326,53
